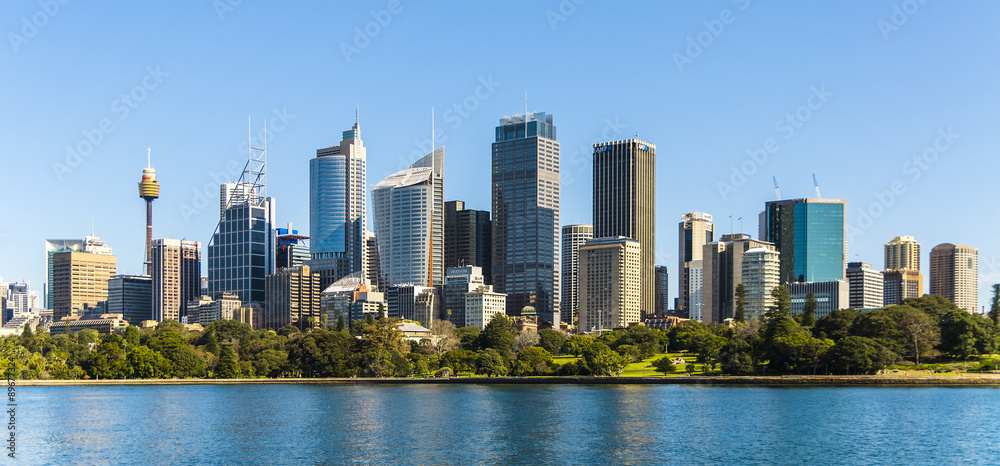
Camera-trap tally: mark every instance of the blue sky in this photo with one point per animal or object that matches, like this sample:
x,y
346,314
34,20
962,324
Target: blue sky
x,y
851,91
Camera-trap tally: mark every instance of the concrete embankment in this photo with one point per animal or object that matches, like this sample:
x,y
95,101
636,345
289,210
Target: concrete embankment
x,y
799,380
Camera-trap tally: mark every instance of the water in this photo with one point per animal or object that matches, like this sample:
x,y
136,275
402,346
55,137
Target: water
x,y
513,424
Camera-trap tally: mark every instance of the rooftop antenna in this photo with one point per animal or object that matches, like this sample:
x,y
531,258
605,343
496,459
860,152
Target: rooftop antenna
x,y
148,163
525,113
816,184
91,224
432,133
777,192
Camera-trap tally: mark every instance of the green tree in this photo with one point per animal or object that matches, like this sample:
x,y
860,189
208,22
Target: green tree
x,y
664,365
577,344
228,368
491,363
340,323
809,314
741,300
858,355
498,335
322,354
551,340
378,345
921,331
995,306
835,325
131,337
459,360
782,303
603,361
533,361
144,363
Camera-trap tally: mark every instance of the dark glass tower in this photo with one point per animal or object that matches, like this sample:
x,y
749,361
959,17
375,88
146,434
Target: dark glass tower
x,y
525,193
467,238
809,234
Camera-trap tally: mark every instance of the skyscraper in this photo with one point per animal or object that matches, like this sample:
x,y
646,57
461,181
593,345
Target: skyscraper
x,y
525,197
624,198
291,250
468,237
810,234
662,290
955,274
694,231
376,280
90,244
722,271
866,286
458,282
610,283
761,273
132,297
337,218
409,222
573,237
176,277
241,254
902,253
293,297
900,284
80,278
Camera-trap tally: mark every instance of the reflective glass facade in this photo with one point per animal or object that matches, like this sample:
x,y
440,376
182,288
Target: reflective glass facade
x,y
809,233
242,250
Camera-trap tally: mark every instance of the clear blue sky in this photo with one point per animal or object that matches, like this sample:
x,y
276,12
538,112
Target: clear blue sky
x,y
888,85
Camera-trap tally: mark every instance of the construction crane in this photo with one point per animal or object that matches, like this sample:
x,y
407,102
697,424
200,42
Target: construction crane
x,y
777,192
816,184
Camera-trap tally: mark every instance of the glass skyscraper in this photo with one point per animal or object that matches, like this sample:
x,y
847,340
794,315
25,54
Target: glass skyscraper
x,y
337,208
242,250
809,234
525,194
408,209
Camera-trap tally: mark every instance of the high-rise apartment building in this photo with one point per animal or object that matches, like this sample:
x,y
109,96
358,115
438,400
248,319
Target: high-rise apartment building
x,y
955,275
761,274
902,253
866,285
79,279
337,218
900,284
624,199
610,284
482,304
722,271
573,237
830,296
176,279
408,207
293,297
241,253
810,234
90,244
525,203
132,297
458,282
468,237
694,231
376,280
662,290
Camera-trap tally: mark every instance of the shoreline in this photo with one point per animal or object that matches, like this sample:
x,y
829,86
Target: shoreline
x,y
788,380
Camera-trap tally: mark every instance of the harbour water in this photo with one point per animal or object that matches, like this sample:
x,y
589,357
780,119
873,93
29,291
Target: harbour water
x,y
506,424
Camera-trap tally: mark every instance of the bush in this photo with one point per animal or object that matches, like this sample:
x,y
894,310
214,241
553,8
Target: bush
x,y
443,372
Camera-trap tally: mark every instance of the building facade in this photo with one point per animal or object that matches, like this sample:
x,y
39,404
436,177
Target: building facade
x,y
830,296
90,244
409,222
898,285
610,284
205,310
694,231
482,304
810,234
722,271
132,297
955,275
79,280
241,253
662,290
761,274
866,285
573,237
525,204
293,297
902,253
458,282
624,201
290,248
468,238
176,277
337,215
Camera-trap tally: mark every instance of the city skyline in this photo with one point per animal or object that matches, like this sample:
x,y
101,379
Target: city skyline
x,y
861,136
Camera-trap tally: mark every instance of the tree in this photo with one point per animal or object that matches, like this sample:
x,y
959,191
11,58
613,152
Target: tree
x,y
603,361
835,325
491,363
498,335
860,354
131,337
922,331
664,365
551,340
577,344
741,299
459,360
144,363
378,345
340,323
321,354
995,307
782,303
809,315
629,352
533,361
445,339
227,367
524,340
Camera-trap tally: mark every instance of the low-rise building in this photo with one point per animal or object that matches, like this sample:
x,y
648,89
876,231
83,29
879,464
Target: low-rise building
x,y
104,323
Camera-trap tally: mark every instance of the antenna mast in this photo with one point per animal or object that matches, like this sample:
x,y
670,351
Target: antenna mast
x,y
816,184
777,192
